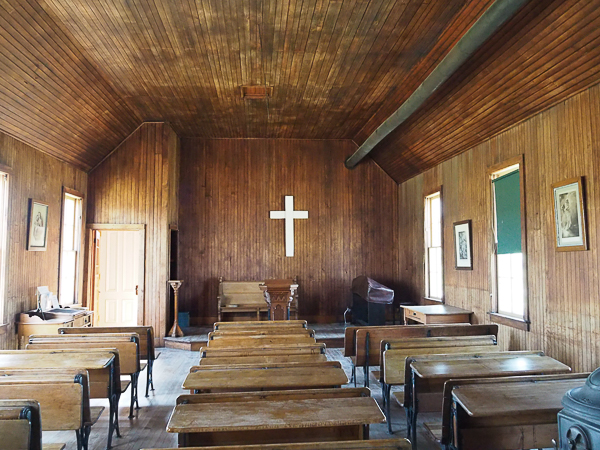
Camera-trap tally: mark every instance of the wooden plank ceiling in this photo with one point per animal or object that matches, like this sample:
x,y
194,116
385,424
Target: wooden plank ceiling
x,y
78,76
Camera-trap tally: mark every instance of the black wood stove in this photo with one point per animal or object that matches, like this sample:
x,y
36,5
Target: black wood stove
x,y
579,421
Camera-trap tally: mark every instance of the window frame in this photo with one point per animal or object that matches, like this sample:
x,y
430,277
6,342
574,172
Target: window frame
x,y
4,235
74,193
426,246
515,322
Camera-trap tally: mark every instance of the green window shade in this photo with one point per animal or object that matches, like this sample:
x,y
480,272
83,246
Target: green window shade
x,y
507,191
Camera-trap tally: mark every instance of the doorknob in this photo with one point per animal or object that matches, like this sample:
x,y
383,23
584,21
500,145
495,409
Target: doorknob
x,y
136,289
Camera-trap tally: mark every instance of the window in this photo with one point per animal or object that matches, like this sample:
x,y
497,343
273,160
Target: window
x,y
70,246
3,238
434,273
509,275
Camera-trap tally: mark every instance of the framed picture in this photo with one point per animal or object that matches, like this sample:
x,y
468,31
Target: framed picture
x,y
37,230
463,251
569,215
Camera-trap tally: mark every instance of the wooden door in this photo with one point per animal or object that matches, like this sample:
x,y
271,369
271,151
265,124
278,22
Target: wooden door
x,y
118,278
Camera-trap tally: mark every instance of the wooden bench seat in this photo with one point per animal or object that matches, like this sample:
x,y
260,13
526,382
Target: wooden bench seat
x,y
63,396
261,341
127,345
263,359
395,352
147,345
247,325
286,349
270,417
238,298
264,331
374,444
367,340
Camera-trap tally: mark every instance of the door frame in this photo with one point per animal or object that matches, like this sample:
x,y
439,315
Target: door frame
x,y
89,289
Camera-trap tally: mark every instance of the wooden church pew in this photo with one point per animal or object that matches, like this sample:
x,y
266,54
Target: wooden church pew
x,y
257,377
147,349
274,417
394,357
63,396
127,345
272,331
374,444
260,341
263,359
285,349
248,324
368,340
524,416
102,365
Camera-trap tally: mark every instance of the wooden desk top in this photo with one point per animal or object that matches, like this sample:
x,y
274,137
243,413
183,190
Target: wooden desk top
x,y
437,310
496,399
35,359
261,415
488,367
266,378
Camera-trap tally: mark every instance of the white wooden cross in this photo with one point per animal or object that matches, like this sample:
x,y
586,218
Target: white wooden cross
x,y
289,215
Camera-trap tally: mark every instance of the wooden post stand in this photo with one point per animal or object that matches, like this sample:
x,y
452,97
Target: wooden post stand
x,y
175,330
278,295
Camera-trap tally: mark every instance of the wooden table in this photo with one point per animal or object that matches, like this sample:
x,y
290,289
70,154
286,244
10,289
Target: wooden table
x,y
434,314
426,377
265,378
88,360
264,422
508,415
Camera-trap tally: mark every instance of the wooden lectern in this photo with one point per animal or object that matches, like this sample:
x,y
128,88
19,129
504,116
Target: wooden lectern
x,y
279,294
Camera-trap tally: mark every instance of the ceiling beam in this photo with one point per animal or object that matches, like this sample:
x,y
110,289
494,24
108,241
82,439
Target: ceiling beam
x,y
492,19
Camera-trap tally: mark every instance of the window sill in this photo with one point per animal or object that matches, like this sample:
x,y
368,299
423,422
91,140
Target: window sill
x,y
501,319
436,300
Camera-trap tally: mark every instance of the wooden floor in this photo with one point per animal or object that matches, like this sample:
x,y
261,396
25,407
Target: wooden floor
x,y
147,429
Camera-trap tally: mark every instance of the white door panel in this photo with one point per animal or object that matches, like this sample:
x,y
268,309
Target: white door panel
x,y
117,293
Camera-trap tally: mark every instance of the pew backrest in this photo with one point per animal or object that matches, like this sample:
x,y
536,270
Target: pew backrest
x,y
263,359
249,324
368,339
146,334
20,424
286,349
261,341
393,361
266,331
226,366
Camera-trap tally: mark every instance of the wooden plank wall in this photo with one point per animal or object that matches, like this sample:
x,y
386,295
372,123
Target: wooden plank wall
x,y
135,185
559,143
35,175
228,187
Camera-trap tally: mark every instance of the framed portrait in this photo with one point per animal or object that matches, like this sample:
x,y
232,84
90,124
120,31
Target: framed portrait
x,y
463,251
569,215
37,230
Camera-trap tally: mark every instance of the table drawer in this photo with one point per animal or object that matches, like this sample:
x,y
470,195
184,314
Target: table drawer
x,y
415,315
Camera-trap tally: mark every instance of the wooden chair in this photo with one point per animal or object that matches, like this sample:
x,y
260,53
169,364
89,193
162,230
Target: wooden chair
x,y
375,444
147,349
63,396
309,410
263,359
396,351
289,349
261,341
368,340
127,344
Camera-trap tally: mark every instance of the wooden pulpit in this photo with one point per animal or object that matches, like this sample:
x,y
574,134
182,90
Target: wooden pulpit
x,y
278,295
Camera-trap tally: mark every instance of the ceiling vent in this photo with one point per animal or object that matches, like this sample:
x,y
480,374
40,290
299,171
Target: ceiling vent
x,y
256,92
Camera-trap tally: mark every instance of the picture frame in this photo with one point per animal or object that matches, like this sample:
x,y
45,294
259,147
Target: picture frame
x,y
569,215
463,245
37,226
